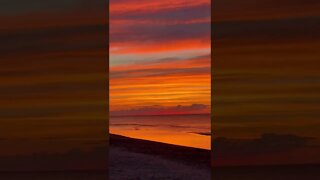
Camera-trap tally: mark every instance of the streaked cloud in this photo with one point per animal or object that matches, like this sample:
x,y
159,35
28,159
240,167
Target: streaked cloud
x,y
148,27
233,10
266,77
161,82
160,53
53,76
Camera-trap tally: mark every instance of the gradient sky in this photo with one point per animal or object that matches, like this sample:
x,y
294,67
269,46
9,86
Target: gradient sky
x,y
266,80
159,56
53,77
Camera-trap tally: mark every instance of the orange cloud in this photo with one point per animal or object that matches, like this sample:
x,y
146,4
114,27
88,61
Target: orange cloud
x,y
188,44
166,83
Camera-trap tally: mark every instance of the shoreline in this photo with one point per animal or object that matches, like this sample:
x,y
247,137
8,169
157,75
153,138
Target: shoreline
x,y
183,154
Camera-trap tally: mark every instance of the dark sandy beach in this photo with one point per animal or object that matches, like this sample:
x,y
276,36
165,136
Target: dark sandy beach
x,y
129,159
277,172
141,159
71,165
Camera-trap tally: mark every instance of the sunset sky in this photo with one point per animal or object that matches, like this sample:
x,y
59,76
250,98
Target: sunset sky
x,y
265,68
53,81
266,81
159,57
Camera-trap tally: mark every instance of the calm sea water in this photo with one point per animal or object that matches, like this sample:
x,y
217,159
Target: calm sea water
x,y
186,130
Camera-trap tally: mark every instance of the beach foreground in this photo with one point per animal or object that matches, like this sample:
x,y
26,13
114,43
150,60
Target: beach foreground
x,y
140,159
276,172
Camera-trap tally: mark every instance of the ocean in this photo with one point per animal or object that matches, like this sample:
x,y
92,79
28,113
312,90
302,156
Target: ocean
x,y
185,130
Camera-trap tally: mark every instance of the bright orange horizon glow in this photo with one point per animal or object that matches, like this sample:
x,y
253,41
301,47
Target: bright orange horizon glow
x,y
139,87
